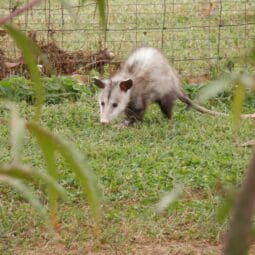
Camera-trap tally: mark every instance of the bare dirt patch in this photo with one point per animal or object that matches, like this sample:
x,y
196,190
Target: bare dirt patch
x,y
173,248
170,248
55,60
194,80
73,62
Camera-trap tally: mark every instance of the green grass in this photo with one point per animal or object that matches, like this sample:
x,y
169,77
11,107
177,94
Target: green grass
x,y
135,167
57,89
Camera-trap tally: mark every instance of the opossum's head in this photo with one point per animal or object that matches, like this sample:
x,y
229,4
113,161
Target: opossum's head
x,y
113,99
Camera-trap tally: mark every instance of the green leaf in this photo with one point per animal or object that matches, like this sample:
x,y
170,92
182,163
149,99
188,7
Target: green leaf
x,y
76,161
168,199
26,193
17,133
248,81
28,173
68,6
214,88
224,209
100,4
30,52
102,7
237,105
49,155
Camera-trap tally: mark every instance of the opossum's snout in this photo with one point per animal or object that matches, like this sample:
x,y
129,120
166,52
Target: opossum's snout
x,y
104,121
106,116
109,113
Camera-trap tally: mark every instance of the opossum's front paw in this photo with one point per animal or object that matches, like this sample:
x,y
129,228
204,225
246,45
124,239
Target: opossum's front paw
x,y
126,123
123,124
120,125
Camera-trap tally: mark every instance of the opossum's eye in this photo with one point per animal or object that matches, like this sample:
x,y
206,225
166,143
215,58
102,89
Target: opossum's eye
x,y
102,103
114,105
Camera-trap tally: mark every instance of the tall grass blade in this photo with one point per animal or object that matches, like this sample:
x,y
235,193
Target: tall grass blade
x,y
25,192
224,209
49,155
30,52
17,133
102,7
214,88
237,105
29,173
76,162
168,199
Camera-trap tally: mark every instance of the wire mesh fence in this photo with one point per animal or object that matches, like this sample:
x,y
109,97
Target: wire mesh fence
x,y
198,37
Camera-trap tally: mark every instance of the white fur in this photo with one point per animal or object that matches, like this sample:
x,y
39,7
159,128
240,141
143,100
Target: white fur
x,y
143,57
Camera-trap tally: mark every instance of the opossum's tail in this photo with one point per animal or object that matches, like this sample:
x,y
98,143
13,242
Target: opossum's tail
x,y
184,98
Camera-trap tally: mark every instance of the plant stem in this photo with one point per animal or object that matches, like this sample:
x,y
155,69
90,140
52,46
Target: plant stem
x,y
240,225
17,12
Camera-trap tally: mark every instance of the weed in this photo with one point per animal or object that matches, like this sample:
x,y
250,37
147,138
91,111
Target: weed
x,y
57,89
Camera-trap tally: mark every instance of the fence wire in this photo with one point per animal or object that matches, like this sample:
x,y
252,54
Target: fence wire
x,y
198,37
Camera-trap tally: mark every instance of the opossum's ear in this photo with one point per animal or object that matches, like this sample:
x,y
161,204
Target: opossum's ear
x,y
100,84
126,85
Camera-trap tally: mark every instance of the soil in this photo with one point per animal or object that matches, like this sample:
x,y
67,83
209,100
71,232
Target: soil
x,y
171,248
55,60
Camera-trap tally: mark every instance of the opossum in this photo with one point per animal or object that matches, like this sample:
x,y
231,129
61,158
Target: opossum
x,y
145,77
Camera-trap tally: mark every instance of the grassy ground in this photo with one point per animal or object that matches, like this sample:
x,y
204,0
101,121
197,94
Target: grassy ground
x,y
135,167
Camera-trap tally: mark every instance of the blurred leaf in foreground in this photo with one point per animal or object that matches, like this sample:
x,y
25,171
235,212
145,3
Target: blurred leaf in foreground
x,y
30,52
168,199
75,160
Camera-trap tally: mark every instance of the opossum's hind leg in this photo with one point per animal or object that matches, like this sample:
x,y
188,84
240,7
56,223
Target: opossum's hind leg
x,y
166,104
133,115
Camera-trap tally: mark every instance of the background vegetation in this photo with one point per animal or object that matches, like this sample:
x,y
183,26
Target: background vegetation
x,y
135,168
